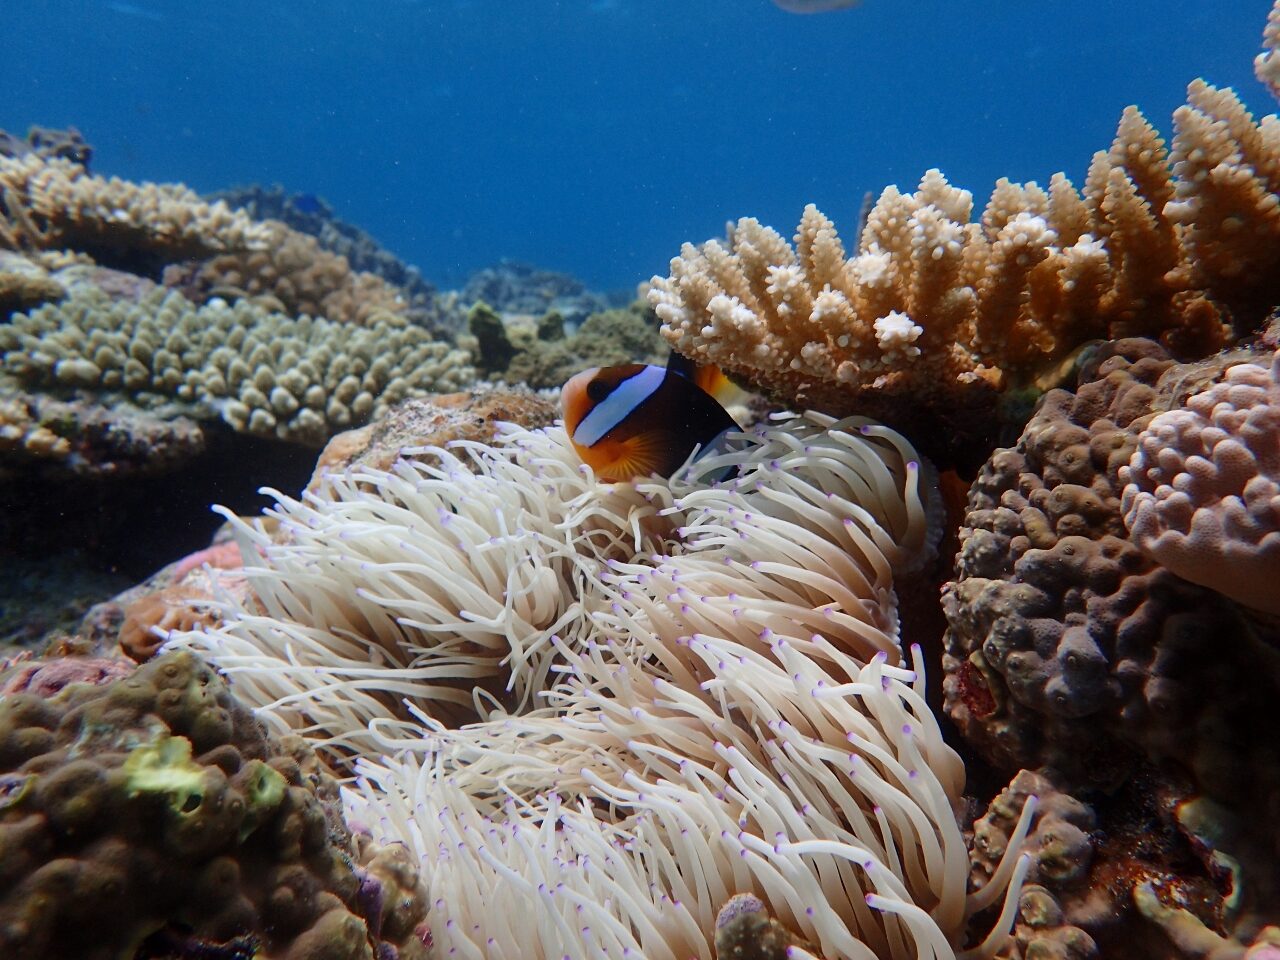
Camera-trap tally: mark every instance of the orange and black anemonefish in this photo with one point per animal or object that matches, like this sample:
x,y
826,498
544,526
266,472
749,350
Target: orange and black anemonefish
x,y
638,419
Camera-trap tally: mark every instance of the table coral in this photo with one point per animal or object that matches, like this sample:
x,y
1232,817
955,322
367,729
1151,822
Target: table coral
x,y
935,313
55,203
154,805
1202,490
262,373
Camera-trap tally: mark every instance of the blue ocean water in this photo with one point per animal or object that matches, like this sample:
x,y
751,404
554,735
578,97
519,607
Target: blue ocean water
x,y
594,136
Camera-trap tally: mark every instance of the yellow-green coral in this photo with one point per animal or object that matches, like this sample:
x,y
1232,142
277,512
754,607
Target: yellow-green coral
x,y
263,373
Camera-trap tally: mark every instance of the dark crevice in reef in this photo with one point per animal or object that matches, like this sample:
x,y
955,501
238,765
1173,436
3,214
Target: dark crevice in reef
x,y
134,524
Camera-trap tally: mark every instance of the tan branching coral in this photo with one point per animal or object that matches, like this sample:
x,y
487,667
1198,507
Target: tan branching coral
x,y
1267,64
938,311
292,275
55,204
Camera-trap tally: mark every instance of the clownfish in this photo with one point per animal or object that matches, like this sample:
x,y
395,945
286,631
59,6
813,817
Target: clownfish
x,y
638,419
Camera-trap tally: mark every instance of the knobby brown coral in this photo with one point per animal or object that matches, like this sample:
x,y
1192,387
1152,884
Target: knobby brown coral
x,y
154,806
938,312
292,275
1071,648
1202,491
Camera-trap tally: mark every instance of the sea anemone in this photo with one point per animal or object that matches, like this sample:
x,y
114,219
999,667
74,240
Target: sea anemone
x,y
599,711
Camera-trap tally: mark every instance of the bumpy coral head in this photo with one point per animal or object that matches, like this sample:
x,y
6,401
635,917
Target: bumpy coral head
x,y
1202,494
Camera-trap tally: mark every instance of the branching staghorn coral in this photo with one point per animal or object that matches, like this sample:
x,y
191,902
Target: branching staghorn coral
x,y
937,311
676,691
55,204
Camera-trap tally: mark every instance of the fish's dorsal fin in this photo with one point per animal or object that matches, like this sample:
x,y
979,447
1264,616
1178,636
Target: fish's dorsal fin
x,y
679,363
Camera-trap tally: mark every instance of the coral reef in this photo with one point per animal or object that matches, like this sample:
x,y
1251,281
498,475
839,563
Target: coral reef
x,y
1267,63
154,806
57,204
1060,627
544,356
25,284
292,275
262,373
45,596
312,215
1202,490
432,422
934,315
42,436
44,678
149,619
517,288
746,931
47,143
622,335
493,346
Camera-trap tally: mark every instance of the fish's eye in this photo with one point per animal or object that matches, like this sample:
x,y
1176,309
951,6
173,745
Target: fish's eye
x,y
597,390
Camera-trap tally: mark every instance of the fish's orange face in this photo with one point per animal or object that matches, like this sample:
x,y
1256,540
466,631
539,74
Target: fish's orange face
x,y
574,402
586,390
636,420
608,451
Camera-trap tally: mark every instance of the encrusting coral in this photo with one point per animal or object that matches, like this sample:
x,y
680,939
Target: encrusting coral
x,y
152,810
1202,490
934,314
49,204
262,373
45,437
626,702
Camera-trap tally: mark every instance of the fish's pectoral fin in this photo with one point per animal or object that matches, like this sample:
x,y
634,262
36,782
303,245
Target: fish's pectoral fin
x,y
652,452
